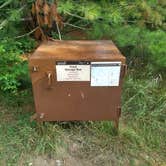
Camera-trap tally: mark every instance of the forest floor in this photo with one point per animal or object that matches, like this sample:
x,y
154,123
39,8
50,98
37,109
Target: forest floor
x,y
70,144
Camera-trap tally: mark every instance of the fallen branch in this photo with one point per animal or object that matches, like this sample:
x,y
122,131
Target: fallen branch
x,y
75,26
27,34
74,15
5,4
59,33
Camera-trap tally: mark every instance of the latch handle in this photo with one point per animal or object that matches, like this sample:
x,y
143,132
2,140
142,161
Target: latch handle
x,y
49,77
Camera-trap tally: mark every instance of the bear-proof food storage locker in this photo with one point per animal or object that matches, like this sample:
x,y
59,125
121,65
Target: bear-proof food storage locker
x,y
77,80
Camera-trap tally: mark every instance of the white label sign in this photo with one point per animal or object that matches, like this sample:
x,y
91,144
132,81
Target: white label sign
x,y
73,71
105,73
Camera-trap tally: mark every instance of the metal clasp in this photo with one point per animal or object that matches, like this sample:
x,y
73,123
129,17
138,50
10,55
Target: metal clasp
x,y
49,77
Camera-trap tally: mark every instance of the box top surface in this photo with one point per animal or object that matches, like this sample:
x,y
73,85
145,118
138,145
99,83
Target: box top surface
x,y
78,50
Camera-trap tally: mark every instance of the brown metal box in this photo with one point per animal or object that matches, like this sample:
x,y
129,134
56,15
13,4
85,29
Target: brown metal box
x,y
77,80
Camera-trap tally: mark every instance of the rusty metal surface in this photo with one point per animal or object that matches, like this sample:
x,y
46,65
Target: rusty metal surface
x,y
66,101
78,50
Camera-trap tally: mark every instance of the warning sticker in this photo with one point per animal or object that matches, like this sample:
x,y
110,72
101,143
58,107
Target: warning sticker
x,y
105,73
73,71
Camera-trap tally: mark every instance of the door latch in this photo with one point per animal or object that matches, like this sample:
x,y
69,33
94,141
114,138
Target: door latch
x,y
49,78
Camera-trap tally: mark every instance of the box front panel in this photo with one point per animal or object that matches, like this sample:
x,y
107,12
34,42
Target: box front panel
x,y
79,90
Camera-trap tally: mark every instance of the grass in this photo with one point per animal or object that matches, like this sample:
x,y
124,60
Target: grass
x,y
141,140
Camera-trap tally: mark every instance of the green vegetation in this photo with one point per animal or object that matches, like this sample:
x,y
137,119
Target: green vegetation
x,y
13,68
138,29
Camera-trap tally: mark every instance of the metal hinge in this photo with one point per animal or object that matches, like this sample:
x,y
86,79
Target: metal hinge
x,y
124,70
35,68
119,110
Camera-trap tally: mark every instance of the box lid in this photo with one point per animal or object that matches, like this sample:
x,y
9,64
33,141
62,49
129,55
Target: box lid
x,y
78,50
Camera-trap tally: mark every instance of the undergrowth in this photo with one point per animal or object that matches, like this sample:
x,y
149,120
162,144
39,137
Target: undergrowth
x,y
141,139
13,64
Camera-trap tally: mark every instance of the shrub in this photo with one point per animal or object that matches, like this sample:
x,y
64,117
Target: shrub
x,y
13,68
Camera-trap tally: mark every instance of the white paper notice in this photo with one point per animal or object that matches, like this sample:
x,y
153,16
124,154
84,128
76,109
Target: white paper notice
x,y
105,73
73,71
